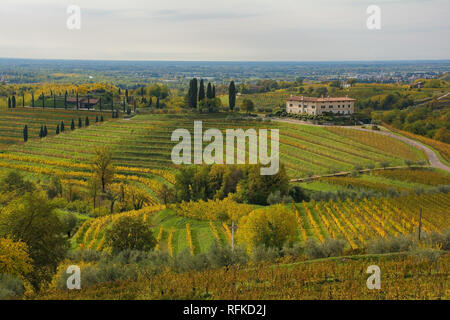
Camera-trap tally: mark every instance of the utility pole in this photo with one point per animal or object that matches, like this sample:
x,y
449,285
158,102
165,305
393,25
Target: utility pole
x,y
232,236
420,222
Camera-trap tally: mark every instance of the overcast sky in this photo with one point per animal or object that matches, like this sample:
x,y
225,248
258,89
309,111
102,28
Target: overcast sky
x,y
276,30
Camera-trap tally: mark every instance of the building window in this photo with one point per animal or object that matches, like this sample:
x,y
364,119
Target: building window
x,y
331,107
323,107
291,105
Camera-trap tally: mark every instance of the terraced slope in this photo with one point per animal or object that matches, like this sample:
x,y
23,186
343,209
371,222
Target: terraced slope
x,y
12,122
142,147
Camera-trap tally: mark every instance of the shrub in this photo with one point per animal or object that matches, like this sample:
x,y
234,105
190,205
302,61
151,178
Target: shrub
x,y
10,287
264,254
128,232
389,245
330,248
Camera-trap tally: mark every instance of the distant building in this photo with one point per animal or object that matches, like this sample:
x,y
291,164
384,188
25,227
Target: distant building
x,y
418,85
83,102
316,106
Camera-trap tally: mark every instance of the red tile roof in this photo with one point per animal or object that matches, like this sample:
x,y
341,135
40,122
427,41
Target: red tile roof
x,y
313,99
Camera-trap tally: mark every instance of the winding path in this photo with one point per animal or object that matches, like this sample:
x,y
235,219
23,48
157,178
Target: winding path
x,y
434,160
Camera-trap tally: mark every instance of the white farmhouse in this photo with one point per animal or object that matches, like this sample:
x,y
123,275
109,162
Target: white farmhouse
x,y
316,106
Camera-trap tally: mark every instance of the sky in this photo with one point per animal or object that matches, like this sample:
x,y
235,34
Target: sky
x,y
225,30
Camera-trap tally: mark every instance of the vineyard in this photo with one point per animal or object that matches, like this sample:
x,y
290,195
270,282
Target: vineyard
x,y
141,146
356,222
12,122
403,277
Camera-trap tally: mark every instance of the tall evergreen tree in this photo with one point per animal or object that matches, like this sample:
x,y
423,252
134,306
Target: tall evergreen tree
x,y
45,130
80,123
201,91
32,100
77,100
13,101
25,133
101,118
43,100
23,100
54,102
157,102
41,132
86,122
72,125
209,92
9,103
142,91
214,91
65,100
57,129
232,95
62,126
192,93
126,94
96,119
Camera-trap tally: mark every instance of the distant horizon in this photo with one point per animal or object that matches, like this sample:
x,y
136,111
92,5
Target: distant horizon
x,y
235,30
227,61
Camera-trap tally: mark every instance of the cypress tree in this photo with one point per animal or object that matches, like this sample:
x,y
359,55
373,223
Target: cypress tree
x,y
142,91
80,123
72,125
151,101
9,103
45,130
201,91
157,103
120,92
57,129
54,102
41,132
62,126
96,119
214,91
101,118
25,133
193,93
100,103
126,94
124,105
87,121
209,93
43,101
65,100
13,101
77,100
23,100
232,95
32,100
134,104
